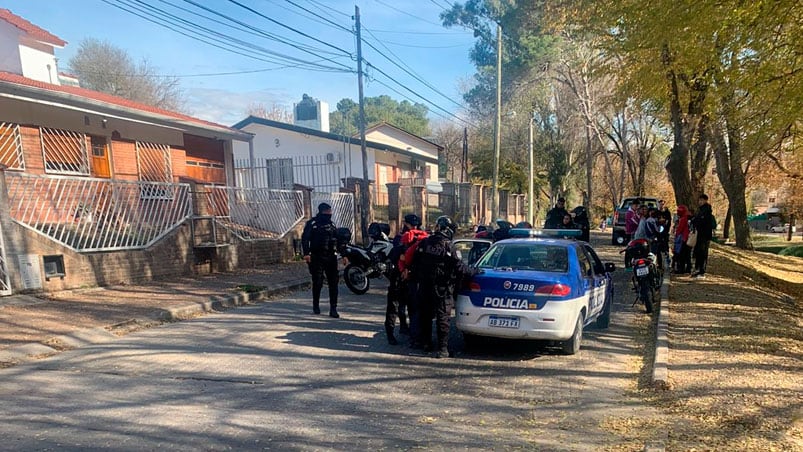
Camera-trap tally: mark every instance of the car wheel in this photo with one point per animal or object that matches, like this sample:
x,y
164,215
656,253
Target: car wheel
x,y
604,319
619,240
572,346
471,340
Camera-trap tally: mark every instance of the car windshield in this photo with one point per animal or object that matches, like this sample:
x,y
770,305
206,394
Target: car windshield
x,y
526,256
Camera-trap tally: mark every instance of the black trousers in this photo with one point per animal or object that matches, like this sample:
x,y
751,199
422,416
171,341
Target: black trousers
x,y
436,304
683,259
701,255
397,303
324,267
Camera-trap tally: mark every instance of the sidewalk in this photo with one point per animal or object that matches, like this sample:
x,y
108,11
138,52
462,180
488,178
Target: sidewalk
x,y
45,324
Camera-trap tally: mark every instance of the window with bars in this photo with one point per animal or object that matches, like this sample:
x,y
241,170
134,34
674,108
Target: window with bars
x,y
11,146
154,165
280,173
64,151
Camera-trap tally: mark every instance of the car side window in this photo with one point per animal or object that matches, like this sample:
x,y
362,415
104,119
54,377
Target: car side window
x,y
599,267
585,265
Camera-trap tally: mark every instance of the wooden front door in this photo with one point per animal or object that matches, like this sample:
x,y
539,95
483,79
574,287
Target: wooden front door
x,y
100,158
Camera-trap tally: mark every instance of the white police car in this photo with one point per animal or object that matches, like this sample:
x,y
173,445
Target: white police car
x,y
536,288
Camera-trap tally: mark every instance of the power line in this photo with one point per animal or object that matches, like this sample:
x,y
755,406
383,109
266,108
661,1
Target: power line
x,y
208,74
427,47
398,62
333,24
214,43
325,6
264,33
404,96
245,28
407,14
416,32
248,8
218,40
416,94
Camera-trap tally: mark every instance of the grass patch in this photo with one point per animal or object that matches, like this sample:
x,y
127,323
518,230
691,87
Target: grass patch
x,y
795,251
250,288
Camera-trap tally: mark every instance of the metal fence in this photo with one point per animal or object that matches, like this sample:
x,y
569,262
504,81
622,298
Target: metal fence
x,y
342,207
323,173
87,214
255,213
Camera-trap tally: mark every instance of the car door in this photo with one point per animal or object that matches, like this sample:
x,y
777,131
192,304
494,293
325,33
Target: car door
x,y
589,282
603,287
470,250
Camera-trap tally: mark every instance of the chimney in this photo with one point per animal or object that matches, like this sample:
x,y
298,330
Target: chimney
x,y
311,113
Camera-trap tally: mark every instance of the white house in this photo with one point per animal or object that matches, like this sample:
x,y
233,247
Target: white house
x,y
28,50
286,154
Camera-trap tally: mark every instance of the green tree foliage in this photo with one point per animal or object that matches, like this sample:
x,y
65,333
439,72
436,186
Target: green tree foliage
x,y
404,115
728,76
104,67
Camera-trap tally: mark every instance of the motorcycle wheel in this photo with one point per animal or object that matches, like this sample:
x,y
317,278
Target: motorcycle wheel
x,y
645,294
356,279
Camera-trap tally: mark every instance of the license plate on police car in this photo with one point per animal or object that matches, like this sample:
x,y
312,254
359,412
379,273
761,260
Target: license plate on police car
x,y
503,322
642,271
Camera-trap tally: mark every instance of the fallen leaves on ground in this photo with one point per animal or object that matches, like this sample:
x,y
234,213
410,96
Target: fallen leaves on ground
x,y
736,355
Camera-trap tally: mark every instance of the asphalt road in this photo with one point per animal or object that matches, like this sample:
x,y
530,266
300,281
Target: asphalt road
x,y
275,376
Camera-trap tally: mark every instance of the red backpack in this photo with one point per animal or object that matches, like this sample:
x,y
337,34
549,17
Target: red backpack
x,y
410,239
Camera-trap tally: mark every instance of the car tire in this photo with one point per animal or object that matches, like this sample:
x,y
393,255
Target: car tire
x,y
604,319
618,239
572,345
471,340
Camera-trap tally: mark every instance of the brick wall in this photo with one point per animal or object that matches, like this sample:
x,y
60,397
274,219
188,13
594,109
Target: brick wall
x,y
172,256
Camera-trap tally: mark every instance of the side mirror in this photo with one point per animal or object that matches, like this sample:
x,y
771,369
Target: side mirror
x,y
610,267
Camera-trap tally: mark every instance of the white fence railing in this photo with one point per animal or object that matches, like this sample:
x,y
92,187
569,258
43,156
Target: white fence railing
x,y
256,213
342,207
88,214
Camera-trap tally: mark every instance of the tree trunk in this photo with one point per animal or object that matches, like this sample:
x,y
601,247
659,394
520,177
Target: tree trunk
x,y
726,229
731,174
678,163
589,173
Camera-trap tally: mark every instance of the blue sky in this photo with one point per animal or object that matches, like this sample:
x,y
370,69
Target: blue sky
x,y
437,54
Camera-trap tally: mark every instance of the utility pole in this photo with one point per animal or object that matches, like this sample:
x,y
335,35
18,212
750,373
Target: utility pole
x,y
464,163
531,185
497,125
364,192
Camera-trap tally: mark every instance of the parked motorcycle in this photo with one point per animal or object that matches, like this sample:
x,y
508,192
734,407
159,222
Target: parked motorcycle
x,y
647,276
366,263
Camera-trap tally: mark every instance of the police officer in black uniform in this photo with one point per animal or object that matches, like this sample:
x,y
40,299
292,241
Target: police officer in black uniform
x,y
437,267
398,288
319,244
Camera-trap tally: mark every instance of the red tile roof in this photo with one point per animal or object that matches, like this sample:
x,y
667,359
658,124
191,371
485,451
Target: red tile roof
x,y
32,30
113,101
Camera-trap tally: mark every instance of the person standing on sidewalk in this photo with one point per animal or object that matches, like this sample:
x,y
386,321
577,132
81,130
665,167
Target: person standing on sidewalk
x,y
703,223
319,244
682,251
555,215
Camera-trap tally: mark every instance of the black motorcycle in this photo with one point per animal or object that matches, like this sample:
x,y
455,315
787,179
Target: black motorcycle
x,y
366,263
647,276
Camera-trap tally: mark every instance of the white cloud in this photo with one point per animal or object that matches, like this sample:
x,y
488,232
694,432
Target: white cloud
x,y
228,107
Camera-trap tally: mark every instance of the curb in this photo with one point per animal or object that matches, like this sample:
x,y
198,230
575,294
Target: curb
x,y
29,352
660,366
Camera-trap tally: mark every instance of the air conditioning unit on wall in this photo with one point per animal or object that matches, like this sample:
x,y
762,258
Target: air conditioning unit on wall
x,y
333,157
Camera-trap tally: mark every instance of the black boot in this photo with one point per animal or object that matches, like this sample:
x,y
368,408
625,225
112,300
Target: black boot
x,y
391,338
333,312
316,308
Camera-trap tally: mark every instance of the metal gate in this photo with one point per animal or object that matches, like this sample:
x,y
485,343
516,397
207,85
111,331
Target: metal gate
x,y
5,280
342,207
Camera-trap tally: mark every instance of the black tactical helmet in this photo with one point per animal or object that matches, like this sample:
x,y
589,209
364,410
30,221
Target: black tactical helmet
x,y
412,219
446,226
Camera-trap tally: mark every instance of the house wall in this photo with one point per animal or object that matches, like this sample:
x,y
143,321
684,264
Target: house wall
x,y
206,154
9,49
171,257
401,140
35,58
297,144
